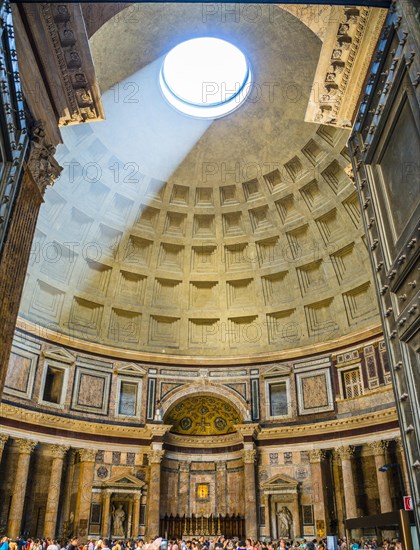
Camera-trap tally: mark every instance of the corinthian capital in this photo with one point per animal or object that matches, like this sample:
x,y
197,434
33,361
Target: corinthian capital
x,y
87,455
42,164
345,452
3,440
155,456
26,446
59,451
249,456
316,455
378,448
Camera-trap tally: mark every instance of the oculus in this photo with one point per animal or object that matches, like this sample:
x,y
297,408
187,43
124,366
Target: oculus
x,y
205,77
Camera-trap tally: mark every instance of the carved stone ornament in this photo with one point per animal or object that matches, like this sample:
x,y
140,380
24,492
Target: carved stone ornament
x,y
3,440
249,456
155,456
26,446
316,455
87,455
378,448
345,452
59,451
42,164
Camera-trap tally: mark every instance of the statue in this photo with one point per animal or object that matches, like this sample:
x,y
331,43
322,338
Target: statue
x,y
285,522
118,516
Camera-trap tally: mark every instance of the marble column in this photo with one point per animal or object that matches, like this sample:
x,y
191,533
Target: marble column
x,y
183,488
221,488
3,441
65,515
338,493
346,453
51,510
26,446
315,458
378,449
136,516
251,523
106,505
267,529
403,465
130,519
153,510
84,492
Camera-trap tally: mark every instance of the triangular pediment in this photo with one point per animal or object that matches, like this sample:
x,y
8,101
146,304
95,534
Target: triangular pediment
x,y
130,369
59,354
280,481
278,370
125,481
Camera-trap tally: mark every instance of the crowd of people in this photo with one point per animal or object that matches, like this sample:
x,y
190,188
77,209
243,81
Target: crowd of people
x,y
201,543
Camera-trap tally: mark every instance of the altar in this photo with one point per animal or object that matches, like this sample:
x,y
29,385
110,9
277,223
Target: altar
x,y
202,525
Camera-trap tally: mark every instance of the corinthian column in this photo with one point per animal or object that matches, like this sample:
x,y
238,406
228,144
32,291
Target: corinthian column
x,y
184,487
221,488
84,492
251,525
26,446
51,510
3,441
315,458
378,449
153,512
346,453
136,516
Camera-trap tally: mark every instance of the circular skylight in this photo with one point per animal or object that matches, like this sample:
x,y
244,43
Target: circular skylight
x,y
205,77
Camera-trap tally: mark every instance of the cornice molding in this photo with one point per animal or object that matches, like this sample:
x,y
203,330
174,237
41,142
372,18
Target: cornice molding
x,y
43,166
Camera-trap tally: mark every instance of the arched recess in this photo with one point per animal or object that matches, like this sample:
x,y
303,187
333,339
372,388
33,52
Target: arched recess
x,y
191,390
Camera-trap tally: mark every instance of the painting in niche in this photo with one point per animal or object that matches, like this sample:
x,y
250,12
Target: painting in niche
x,y
202,491
314,391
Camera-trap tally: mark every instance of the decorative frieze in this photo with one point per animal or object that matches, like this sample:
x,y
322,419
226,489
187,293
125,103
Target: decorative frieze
x,y
43,166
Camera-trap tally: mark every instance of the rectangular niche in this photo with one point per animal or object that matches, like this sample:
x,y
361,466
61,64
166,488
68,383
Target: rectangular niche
x,y
276,288
138,251
131,286
252,190
359,303
204,196
95,277
345,263
244,331
294,169
108,240
238,257
85,317
352,207
164,331
228,195
270,252
54,384
204,225
331,227
204,333
313,152
300,243
180,195
171,257
128,398
91,390
260,219
232,224
312,195
335,176
320,320
20,374
124,326
311,278
204,259
274,181
58,261
166,293
282,327
329,134
147,217
175,224
203,294
287,210
240,293
47,302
